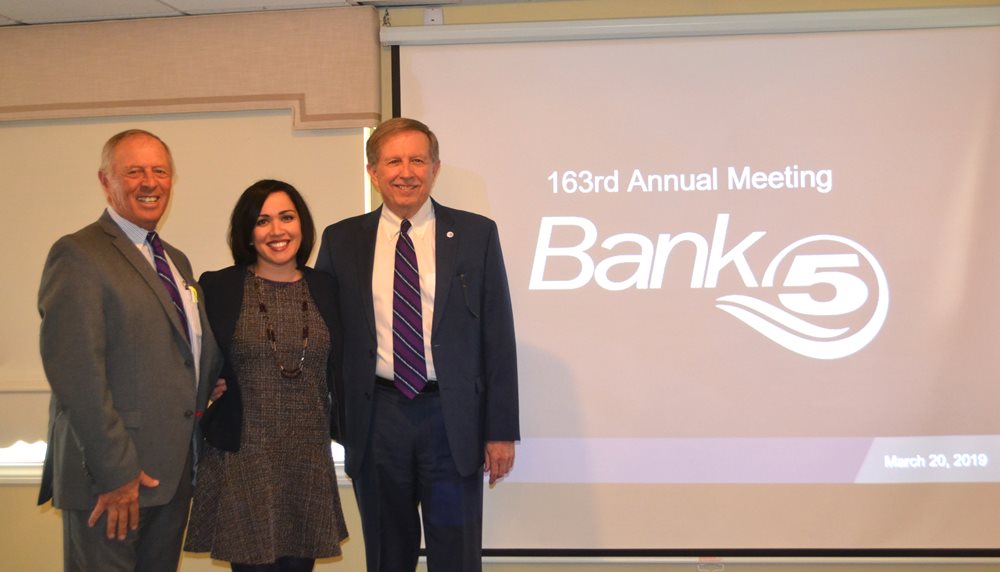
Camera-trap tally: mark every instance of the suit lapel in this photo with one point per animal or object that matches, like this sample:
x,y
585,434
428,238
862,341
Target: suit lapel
x,y
208,354
446,240
366,264
132,255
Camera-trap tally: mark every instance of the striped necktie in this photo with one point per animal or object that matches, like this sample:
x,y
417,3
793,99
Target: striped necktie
x,y
167,277
409,365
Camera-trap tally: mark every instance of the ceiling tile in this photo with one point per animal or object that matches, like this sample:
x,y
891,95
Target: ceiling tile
x,y
214,6
45,11
14,12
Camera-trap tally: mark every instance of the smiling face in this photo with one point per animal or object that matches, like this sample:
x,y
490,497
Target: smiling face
x,y
138,179
277,234
404,172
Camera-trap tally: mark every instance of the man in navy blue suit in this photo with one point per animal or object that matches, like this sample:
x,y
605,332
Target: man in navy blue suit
x,y
430,387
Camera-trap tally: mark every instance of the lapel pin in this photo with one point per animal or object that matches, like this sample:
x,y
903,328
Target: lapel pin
x,y
450,234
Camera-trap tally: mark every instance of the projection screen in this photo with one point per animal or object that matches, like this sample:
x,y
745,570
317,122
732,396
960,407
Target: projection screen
x,y
754,278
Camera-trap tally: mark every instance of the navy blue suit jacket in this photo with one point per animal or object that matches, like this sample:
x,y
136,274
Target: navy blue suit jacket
x,y
472,337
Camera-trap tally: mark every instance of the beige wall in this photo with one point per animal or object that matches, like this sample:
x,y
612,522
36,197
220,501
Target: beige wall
x,y
50,175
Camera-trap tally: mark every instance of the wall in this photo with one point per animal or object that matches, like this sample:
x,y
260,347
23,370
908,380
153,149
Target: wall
x,y
50,168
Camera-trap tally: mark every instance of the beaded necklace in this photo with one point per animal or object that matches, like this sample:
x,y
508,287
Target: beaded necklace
x,y
288,373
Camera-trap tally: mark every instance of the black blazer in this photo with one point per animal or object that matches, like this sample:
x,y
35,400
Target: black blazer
x,y
222,423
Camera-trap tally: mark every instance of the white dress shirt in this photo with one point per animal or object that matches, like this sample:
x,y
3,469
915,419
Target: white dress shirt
x,y
422,235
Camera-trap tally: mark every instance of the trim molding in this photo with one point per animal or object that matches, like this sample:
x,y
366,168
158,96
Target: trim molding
x,y
683,26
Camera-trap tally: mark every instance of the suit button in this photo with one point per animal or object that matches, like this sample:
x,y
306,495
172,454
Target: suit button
x,y
188,414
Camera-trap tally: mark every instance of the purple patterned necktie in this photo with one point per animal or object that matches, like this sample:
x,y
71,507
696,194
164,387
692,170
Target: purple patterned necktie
x,y
167,277
409,366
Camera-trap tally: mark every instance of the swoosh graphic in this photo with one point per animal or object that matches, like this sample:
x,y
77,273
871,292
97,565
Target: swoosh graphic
x,y
778,315
736,305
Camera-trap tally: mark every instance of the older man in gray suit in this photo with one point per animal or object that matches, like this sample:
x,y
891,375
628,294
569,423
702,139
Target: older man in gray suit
x,y
130,359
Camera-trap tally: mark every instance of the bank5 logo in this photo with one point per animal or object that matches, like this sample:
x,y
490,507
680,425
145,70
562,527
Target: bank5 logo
x,y
820,327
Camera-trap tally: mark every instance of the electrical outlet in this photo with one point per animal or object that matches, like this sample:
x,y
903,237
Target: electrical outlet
x,y
433,16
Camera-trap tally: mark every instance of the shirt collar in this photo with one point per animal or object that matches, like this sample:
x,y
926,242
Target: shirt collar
x,y
134,232
420,221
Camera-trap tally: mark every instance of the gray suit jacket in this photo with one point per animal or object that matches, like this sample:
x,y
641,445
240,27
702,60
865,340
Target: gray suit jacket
x,y
472,336
124,393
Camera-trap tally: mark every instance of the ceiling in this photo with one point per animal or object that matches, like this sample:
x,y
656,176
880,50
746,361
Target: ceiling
x,y
24,12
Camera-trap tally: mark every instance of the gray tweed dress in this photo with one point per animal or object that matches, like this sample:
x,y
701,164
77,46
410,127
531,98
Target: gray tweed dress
x,y
277,496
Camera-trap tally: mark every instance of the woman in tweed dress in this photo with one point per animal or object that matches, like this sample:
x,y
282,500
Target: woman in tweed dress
x,y
266,496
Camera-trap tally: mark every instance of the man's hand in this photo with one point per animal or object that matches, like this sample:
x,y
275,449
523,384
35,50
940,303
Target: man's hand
x,y
499,459
218,390
122,506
